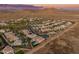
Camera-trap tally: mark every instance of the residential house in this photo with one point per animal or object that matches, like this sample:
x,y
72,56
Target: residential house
x,y
8,50
12,39
2,30
29,34
3,24
38,39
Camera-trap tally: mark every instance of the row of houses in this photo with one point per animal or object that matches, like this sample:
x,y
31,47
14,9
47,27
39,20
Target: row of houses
x,y
50,26
14,40
35,38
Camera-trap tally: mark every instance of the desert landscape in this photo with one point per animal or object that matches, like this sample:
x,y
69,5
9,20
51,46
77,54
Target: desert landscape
x,y
39,29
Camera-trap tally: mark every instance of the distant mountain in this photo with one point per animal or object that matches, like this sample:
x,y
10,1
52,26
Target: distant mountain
x,y
71,9
18,7
30,9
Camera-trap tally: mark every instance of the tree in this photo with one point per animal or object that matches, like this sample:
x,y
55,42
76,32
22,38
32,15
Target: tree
x,y
19,52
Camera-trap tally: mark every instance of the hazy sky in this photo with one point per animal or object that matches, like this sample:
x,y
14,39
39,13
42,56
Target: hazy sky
x,y
59,5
